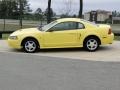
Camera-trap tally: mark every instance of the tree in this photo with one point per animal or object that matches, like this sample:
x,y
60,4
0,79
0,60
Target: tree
x,y
3,8
81,9
115,14
49,12
39,14
23,8
3,11
24,5
21,12
67,7
13,8
38,11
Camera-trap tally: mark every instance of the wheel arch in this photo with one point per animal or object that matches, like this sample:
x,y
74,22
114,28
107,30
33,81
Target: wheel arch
x,y
93,36
30,38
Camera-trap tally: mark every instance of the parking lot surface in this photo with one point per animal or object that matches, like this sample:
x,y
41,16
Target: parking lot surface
x,y
30,72
60,69
105,53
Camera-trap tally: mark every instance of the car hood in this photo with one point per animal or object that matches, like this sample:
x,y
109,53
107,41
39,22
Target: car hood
x,y
25,31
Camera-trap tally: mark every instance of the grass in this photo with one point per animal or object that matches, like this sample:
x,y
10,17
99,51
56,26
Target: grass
x,y
5,36
13,27
117,38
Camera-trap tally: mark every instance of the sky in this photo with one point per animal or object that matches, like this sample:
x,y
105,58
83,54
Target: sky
x,y
72,6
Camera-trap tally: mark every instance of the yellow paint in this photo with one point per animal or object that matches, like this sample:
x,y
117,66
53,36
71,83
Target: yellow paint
x,y
65,38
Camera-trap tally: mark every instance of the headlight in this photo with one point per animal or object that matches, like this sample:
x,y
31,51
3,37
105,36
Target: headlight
x,y
13,37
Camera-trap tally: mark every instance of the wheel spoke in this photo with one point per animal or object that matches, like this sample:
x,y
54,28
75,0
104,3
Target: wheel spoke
x,y
92,44
30,46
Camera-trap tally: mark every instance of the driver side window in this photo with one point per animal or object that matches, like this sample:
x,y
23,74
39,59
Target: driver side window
x,y
58,27
64,26
67,26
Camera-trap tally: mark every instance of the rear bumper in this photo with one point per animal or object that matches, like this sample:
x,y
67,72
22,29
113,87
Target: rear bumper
x,y
108,40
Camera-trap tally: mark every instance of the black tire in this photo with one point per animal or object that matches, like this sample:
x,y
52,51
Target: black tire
x,y
30,46
91,44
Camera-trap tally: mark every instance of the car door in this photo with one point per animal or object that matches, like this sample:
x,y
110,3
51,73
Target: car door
x,y
64,34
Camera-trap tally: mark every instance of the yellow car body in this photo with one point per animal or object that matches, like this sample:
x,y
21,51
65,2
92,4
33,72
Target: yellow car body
x,y
62,33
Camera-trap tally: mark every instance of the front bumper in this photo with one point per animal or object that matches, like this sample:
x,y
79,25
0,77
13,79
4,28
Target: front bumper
x,y
14,44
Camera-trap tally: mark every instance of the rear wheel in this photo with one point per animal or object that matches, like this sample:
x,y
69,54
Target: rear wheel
x,y
30,45
91,44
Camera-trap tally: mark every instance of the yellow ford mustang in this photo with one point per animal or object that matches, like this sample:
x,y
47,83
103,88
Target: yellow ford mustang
x,y
62,33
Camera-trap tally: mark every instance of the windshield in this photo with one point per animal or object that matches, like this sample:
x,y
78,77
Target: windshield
x,y
46,27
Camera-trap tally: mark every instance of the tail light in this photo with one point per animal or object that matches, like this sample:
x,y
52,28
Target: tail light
x,y
110,31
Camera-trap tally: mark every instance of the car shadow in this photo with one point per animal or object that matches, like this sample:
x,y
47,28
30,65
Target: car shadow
x,y
62,50
101,48
105,48
56,50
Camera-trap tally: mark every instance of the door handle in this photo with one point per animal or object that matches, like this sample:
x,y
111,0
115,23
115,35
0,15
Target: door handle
x,y
79,36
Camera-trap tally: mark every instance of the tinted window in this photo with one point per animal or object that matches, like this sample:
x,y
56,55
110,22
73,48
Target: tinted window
x,y
67,26
80,26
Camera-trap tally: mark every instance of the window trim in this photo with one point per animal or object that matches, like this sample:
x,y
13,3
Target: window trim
x,y
67,29
82,24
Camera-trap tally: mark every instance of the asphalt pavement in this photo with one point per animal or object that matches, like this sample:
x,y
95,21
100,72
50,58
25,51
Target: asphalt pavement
x,y
105,53
19,71
60,69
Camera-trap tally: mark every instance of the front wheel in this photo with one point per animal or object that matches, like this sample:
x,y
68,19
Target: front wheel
x,y
91,44
30,46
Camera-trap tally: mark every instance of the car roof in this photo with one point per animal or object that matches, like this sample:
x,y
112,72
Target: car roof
x,y
69,19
